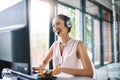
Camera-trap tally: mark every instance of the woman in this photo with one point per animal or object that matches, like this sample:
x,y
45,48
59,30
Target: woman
x,y
70,54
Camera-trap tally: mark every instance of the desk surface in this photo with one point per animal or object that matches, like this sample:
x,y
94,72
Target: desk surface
x,y
74,78
61,76
64,76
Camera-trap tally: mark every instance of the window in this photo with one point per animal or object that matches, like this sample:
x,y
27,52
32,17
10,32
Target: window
x,y
107,42
88,32
106,15
39,30
96,42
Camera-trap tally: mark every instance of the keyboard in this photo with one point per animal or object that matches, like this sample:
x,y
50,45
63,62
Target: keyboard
x,y
11,72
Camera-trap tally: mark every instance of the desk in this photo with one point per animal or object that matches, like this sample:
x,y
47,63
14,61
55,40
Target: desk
x,y
113,71
64,76
74,78
59,77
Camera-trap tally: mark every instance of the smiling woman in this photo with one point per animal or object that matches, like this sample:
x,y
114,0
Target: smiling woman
x,y
39,30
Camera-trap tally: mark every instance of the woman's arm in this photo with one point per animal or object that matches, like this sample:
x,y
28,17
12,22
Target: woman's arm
x,y
46,59
87,70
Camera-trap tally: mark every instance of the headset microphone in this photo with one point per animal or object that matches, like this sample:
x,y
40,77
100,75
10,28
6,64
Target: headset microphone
x,y
59,32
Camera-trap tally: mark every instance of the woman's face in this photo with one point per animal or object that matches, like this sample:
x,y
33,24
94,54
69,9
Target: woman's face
x,y
59,27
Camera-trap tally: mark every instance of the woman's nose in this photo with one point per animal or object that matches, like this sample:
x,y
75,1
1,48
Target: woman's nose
x,y
55,27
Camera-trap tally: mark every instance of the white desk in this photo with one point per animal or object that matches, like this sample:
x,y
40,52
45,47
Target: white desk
x,y
75,78
64,76
61,76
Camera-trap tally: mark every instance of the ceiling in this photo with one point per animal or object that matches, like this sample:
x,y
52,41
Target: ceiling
x,y
117,6
108,4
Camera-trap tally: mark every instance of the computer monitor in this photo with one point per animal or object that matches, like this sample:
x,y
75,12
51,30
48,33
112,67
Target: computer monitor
x,y
14,36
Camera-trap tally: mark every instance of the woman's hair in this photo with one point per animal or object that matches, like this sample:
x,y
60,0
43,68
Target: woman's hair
x,y
66,20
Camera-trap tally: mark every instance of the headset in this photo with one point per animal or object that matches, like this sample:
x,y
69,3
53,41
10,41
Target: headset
x,y
68,24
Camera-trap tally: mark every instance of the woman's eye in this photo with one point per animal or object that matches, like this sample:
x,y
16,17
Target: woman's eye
x,y
57,24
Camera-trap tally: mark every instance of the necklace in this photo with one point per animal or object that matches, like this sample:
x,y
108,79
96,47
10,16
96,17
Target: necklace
x,y
61,61
61,54
63,45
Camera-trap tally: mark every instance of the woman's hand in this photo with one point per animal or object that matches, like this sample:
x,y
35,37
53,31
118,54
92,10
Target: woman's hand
x,y
47,71
53,72
35,69
56,70
59,70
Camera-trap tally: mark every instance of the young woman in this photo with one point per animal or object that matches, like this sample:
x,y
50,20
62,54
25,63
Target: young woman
x,y
69,54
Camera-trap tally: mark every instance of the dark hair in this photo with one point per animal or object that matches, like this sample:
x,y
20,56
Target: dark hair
x,y
66,20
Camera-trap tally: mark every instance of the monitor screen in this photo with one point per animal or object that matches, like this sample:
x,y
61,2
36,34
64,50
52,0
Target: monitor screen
x,y
15,50
5,46
14,36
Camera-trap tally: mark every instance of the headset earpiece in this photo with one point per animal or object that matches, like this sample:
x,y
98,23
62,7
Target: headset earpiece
x,y
68,24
